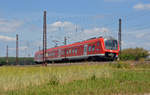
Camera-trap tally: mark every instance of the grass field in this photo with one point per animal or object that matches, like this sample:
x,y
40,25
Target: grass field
x,y
87,79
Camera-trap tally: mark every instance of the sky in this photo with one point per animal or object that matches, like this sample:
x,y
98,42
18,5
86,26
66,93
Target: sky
x,y
78,20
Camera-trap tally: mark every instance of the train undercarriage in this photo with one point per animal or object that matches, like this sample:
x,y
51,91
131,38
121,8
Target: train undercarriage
x,y
106,57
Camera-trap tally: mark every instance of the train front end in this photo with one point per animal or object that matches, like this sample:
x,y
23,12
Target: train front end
x,y
111,48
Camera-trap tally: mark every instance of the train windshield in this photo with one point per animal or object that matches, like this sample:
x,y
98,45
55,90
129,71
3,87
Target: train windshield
x,y
111,44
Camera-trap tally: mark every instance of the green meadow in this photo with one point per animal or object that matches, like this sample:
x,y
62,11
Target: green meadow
x,y
92,78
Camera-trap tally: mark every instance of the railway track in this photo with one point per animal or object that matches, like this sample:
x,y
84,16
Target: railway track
x,y
78,63
88,63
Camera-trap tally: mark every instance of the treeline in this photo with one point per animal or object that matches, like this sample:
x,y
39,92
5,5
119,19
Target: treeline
x,y
21,61
133,54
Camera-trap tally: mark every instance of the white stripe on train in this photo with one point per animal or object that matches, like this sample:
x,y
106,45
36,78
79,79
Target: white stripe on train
x,y
73,57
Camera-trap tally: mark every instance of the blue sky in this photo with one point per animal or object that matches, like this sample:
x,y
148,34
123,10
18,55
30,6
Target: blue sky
x,y
76,19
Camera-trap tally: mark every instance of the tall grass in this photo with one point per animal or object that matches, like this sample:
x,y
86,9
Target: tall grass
x,y
74,80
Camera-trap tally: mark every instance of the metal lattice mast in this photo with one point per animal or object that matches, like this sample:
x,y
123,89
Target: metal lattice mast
x,y
44,39
17,49
7,54
65,40
119,35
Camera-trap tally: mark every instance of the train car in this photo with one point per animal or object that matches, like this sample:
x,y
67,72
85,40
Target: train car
x,y
92,49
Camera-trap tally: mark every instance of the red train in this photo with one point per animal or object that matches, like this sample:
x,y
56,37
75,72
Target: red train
x,y
93,49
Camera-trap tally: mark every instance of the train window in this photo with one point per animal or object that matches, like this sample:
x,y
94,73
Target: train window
x,y
98,46
62,52
98,43
49,53
89,48
75,50
111,44
69,51
52,53
93,48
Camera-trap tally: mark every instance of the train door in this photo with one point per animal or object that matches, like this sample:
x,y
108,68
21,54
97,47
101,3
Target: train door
x,y
59,52
85,49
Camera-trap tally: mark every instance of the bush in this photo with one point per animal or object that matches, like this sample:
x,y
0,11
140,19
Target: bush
x,y
12,61
133,54
2,63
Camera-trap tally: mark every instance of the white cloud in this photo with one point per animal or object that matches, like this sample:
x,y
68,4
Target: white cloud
x,y
7,38
136,38
9,25
141,35
58,26
23,48
141,6
96,30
